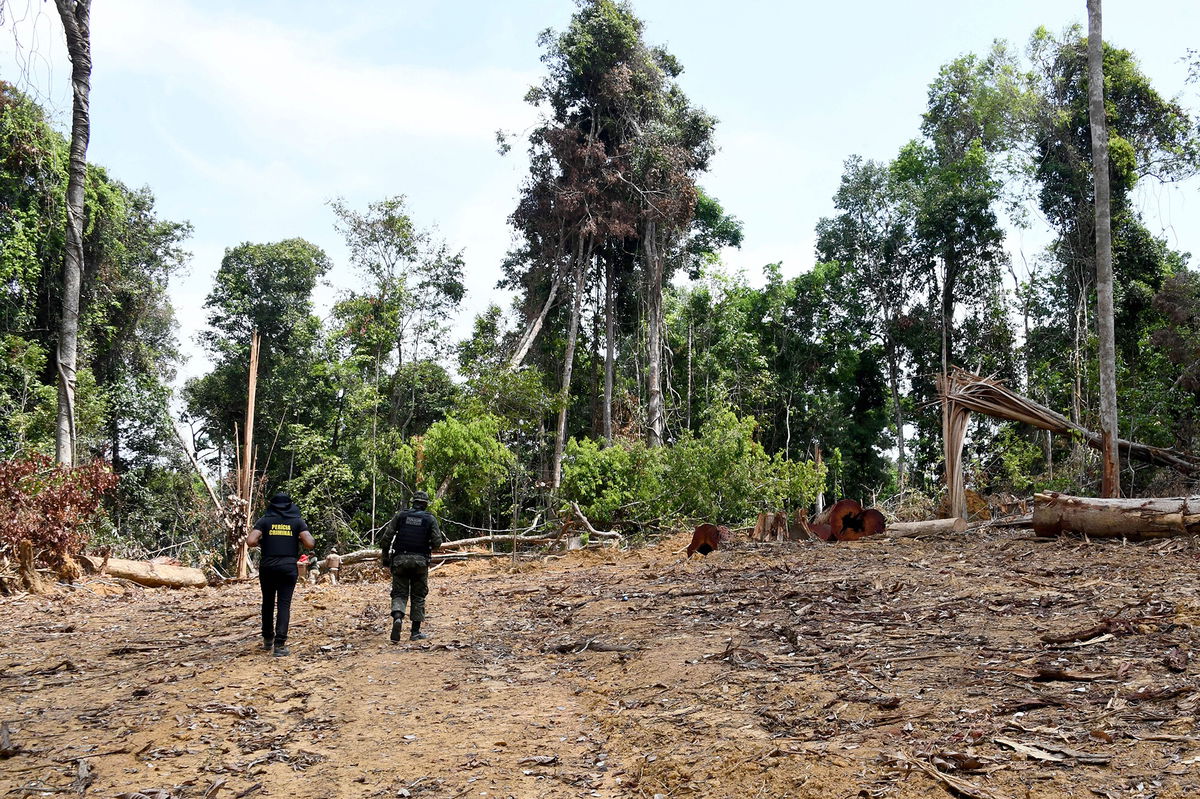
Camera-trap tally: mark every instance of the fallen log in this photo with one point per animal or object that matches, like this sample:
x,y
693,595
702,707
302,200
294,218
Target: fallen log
x,y
373,554
932,526
142,572
1137,519
610,534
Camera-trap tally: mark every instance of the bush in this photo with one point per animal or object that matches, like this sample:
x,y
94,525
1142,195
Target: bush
x,y
722,476
726,477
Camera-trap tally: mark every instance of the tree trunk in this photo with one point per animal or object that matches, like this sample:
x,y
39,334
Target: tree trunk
x,y
956,524
535,327
31,581
246,475
687,423
1055,513
564,395
610,335
1104,269
76,24
654,322
144,572
952,437
897,412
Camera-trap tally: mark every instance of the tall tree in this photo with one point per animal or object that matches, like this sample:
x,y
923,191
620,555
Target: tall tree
x,y
1104,270
674,149
1148,136
265,288
872,238
76,23
576,201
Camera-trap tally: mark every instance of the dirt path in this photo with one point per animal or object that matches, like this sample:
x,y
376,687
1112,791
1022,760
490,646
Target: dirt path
x,y
894,668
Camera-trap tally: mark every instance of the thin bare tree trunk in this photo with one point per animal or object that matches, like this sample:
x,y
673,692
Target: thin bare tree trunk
x,y
1104,270
374,444
897,413
688,417
610,335
535,327
654,322
564,396
76,24
246,478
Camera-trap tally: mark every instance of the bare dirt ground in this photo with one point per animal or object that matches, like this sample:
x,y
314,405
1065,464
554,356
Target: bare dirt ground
x,y
887,668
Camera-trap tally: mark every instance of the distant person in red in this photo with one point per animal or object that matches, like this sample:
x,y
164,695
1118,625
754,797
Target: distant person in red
x,y
282,531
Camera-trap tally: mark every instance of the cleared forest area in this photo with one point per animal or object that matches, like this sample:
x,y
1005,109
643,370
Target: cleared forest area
x,y
991,665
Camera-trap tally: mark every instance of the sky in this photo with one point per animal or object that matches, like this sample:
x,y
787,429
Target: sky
x,y
246,117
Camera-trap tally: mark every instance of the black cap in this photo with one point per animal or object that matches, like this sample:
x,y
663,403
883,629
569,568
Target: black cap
x,y
420,496
280,499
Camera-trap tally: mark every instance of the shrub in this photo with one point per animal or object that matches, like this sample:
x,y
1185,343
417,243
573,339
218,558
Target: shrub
x,y
614,485
722,475
50,505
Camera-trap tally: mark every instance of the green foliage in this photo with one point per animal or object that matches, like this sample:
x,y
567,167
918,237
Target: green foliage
x,y
616,486
324,486
27,406
468,457
127,348
720,475
265,288
724,475
262,287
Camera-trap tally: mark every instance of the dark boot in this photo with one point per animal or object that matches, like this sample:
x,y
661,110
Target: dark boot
x,y
268,643
397,626
281,651
417,635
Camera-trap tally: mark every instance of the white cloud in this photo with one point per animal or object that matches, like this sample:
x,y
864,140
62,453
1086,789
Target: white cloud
x,y
298,85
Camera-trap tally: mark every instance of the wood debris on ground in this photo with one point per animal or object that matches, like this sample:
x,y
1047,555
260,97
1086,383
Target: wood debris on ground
x,y
988,664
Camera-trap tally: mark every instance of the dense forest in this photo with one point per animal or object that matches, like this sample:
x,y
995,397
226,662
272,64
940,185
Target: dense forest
x,y
633,374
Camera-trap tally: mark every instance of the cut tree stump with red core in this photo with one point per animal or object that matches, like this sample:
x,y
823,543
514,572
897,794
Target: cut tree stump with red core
x,y
707,538
846,520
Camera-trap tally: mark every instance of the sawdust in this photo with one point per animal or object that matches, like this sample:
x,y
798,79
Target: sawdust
x,y
885,668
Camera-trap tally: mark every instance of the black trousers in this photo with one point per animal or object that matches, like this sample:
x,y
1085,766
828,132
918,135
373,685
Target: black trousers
x,y
278,582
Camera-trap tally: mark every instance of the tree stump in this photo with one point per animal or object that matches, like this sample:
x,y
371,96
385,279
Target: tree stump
x,y
30,579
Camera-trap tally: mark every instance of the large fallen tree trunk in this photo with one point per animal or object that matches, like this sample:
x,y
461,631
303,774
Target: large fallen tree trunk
x,y
902,529
1055,513
361,555
143,572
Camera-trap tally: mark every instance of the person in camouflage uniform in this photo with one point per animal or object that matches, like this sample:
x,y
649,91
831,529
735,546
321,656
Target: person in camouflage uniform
x,y
409,540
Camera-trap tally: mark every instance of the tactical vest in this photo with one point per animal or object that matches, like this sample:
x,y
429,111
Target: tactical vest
x,y
413,528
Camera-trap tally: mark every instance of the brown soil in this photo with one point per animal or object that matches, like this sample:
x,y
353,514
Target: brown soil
x,y
886,668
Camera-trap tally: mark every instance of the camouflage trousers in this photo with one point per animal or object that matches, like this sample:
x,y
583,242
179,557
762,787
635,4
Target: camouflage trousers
x,y
410,580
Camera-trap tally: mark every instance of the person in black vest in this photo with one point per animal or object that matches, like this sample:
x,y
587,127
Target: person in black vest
x,y
409,540
282,531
